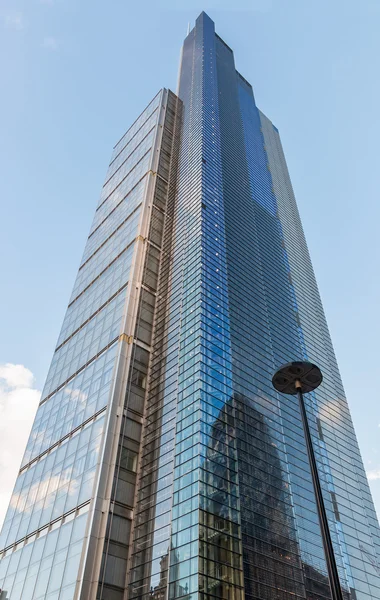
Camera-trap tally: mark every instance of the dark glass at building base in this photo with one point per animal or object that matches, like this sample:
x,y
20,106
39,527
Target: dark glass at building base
x,y
162,464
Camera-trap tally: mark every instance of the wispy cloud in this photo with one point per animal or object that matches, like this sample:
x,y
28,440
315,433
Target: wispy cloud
x,y
50,43
14,20
373,475
18,404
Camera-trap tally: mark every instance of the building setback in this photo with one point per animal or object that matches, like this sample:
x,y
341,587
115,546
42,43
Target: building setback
x,y
162,464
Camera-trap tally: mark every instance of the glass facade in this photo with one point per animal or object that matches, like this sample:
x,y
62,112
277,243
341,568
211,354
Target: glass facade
x,y
73,499
162,464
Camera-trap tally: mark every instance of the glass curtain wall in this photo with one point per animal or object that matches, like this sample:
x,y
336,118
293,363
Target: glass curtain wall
x,y
53,535
346,492
162,465
238,516
193,546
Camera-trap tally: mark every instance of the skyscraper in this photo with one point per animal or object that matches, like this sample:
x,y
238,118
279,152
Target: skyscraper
x,y
162,464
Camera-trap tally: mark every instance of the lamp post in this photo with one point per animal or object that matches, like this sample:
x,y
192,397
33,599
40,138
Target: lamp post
x,y
295,379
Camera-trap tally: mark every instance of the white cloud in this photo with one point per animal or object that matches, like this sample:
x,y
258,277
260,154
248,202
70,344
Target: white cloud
x,y
14,21
16,376
50,43
18,405
373,475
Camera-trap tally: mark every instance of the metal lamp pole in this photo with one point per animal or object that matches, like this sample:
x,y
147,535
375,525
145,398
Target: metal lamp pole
x,y
297,378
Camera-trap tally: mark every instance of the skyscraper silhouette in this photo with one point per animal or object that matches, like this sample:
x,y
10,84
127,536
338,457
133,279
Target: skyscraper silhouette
x,y
162,464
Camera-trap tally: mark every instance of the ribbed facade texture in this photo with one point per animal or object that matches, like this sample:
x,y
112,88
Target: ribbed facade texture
x,y
162,464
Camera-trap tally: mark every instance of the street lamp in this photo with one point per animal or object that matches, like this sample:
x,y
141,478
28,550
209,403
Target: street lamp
x,y
297,378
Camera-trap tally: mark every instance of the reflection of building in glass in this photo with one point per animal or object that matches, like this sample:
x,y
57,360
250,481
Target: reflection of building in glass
x,y
271,551
162,464
159,592
272,548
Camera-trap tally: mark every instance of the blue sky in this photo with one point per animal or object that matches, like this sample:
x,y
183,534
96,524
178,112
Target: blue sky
x,y
75,74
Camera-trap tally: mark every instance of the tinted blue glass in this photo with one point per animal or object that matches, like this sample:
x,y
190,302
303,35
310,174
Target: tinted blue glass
x,y
234,481
158,427
43,536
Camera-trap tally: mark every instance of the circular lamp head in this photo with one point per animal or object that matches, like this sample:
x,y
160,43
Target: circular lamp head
x,y
309,375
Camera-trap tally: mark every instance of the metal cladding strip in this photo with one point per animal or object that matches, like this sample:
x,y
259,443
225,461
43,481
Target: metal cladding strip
x,y
157,351
89,571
